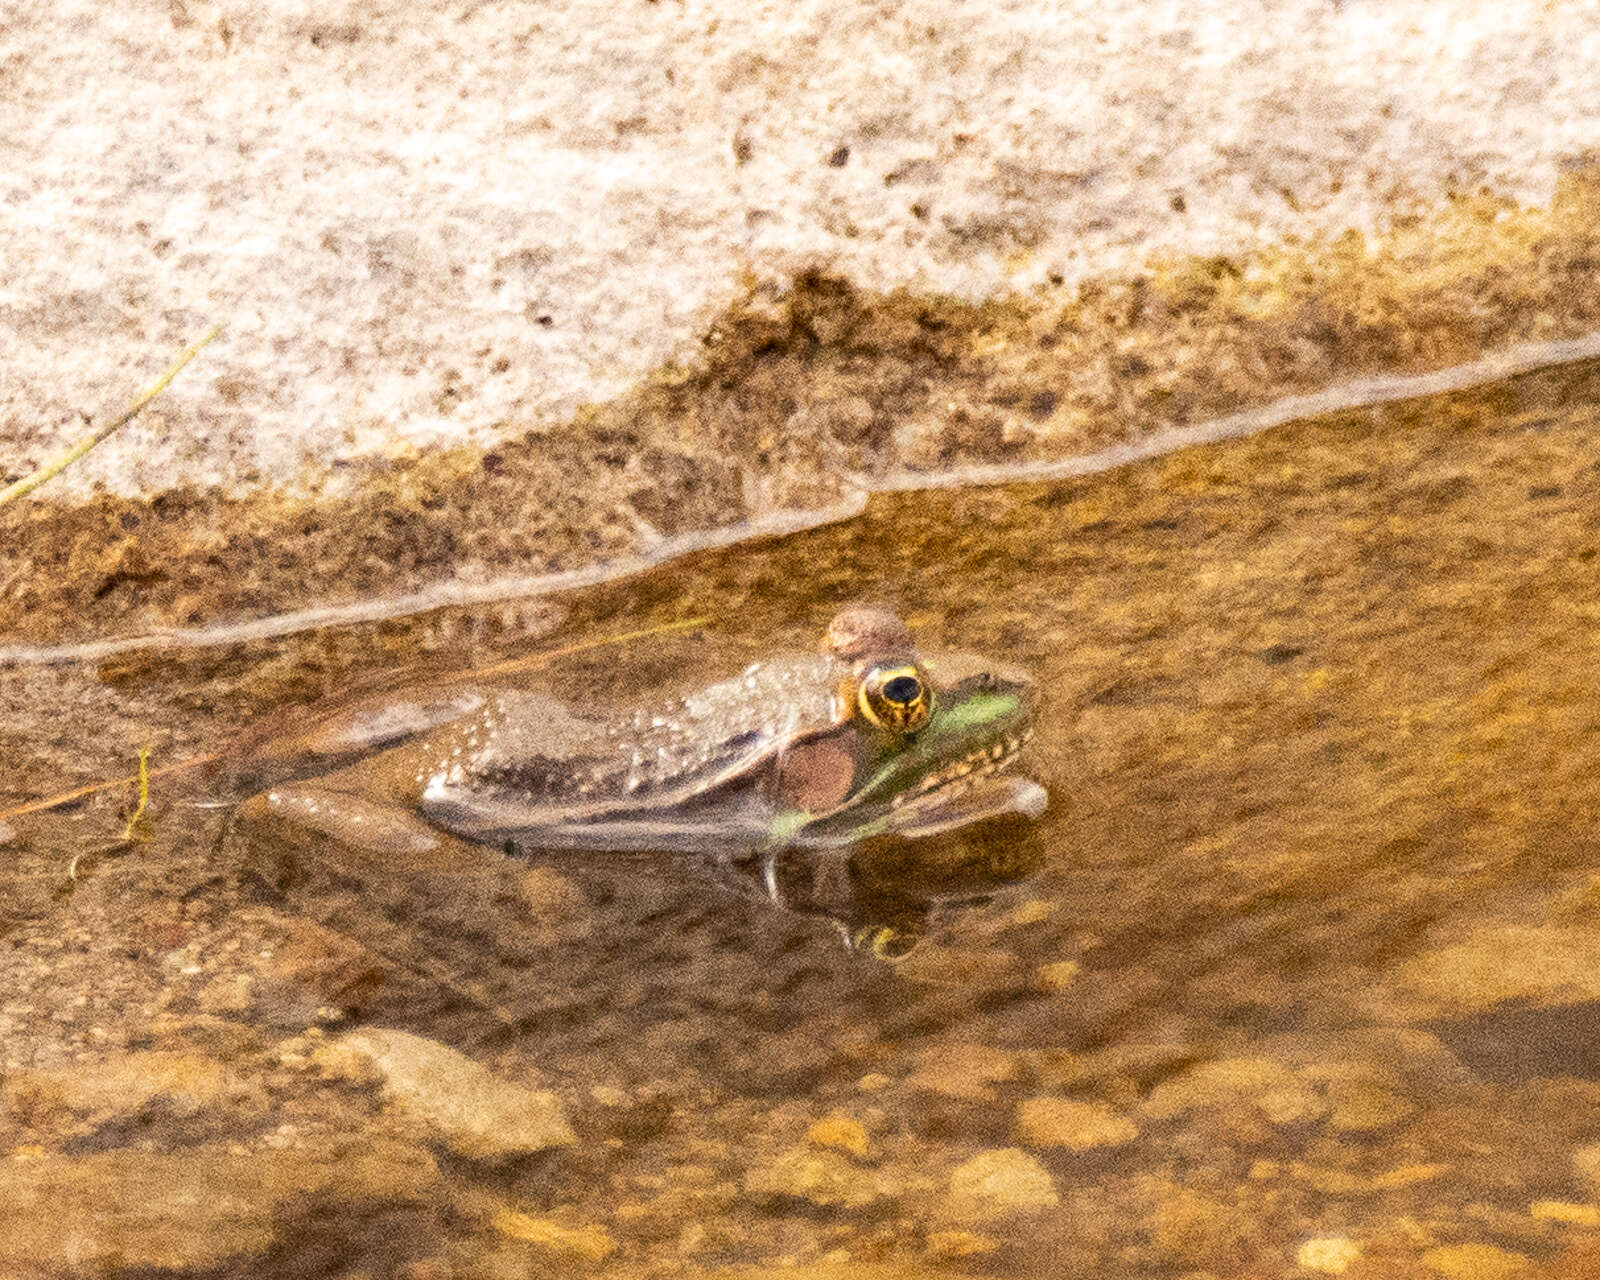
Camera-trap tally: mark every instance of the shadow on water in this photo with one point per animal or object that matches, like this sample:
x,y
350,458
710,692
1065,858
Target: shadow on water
x,y
1318,706
1507,1045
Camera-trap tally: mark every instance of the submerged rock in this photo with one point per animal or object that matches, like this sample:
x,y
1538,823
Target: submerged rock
x,y
201,1208
1567,1211
1363,1105
1002,1181
1476,1262
1331,1255
85,1097
575,1244
219,1038
964,1070
943,1245
450,1098
1194,1229
841,1133
549,895
1342,1182
1586,1161
1078,1126
823,1178
1057,977
1541,965
1270,1086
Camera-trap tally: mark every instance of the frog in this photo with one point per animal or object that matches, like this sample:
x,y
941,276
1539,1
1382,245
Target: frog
x,y
863,737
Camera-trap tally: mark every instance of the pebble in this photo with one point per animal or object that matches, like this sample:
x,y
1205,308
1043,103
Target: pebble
x,y
1341,1182
1033,911
227,993
1000,1181
1057,977
8,834
583,1244
548,894
449,1097
823,1178
1331,1255
690,1237
1577,1215
841,1133
1194,1229
1586,1161
1078,1126
1361,1106
964,1070
1476,1262
1268,1085
944,1245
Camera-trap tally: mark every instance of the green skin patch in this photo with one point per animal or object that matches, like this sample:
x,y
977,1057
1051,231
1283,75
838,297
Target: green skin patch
x,y
957,742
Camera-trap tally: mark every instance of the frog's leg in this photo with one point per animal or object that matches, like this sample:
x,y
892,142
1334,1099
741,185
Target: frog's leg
x,y
354,821
329,738
317,834
368,867
822,883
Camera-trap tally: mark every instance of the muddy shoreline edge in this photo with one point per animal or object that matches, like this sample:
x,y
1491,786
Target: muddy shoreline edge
x,y
799,399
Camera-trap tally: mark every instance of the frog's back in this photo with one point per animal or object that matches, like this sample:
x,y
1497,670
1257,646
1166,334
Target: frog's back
x,y
525,762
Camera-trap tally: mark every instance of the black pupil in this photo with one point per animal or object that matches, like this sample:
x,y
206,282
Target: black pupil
x,y
902,689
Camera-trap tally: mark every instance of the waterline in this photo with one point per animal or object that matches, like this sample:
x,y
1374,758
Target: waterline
x,y
1360,393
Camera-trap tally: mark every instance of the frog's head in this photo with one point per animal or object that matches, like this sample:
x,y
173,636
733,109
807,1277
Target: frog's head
x,y
919,746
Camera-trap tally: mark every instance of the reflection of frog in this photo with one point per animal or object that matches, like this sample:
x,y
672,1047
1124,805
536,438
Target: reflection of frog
x,y
798,752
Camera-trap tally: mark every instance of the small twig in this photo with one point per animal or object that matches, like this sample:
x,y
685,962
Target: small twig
x,y
50,470
130,832
539,659
67,797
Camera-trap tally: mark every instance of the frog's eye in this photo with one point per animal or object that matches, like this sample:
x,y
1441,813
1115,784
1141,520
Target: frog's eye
x,y
895,698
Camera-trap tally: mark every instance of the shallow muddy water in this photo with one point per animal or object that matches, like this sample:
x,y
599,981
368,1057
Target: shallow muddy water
x,y
1299,973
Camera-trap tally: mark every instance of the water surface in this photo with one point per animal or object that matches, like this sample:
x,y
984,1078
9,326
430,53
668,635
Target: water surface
x,y
1311,916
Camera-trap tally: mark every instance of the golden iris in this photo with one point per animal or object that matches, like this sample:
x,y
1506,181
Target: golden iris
x,y
895,698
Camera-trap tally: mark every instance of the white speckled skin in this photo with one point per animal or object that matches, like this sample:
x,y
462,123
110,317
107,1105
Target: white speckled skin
x,y
528,750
